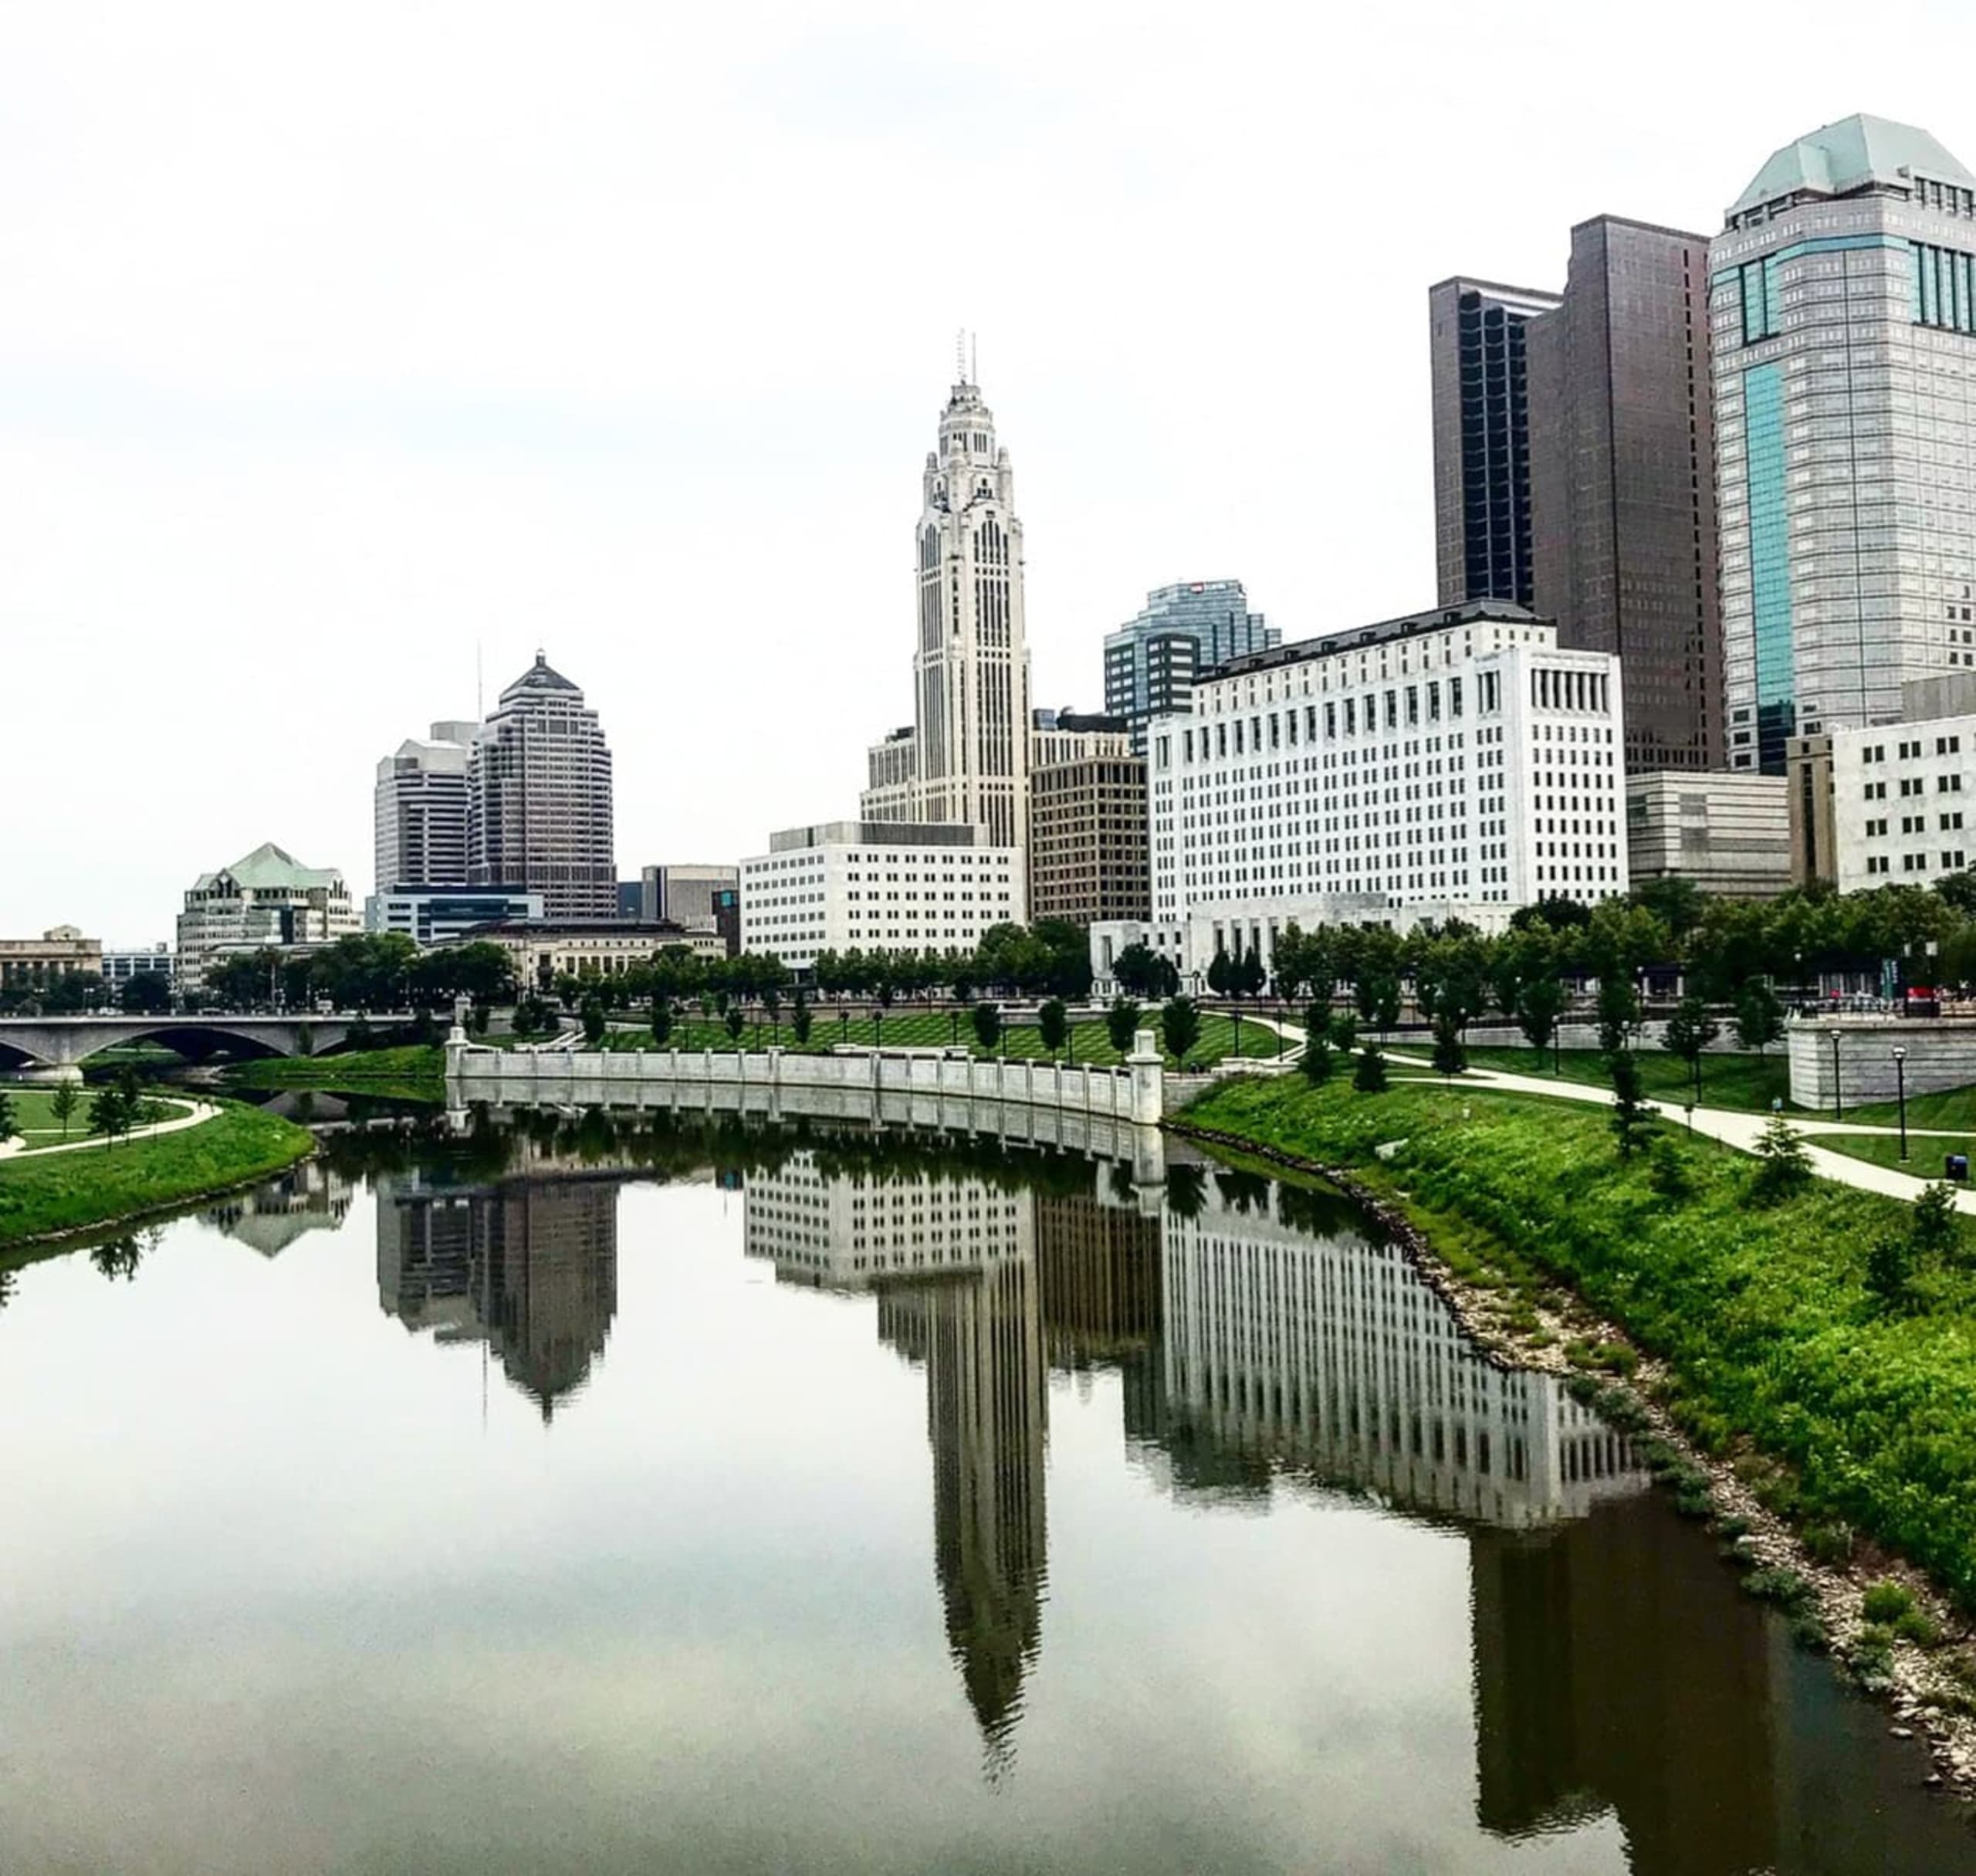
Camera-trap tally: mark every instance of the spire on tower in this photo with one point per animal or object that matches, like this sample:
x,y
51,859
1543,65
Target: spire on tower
x,y
960,357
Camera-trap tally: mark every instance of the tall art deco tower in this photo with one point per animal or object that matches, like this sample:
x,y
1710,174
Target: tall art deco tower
x,y
967,757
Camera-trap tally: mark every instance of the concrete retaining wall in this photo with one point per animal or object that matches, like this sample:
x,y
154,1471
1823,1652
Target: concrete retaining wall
x,y
1941,1053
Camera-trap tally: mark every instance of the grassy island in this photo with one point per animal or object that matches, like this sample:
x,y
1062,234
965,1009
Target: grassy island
x,y
1852,1412
42,1195
410,1073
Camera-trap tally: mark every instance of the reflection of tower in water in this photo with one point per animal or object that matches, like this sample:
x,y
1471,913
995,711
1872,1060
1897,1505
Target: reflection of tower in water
x,y
952,1258
980,1339
529,1266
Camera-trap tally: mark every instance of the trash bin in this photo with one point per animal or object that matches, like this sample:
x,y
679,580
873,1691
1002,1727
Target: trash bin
x,y
1956,1166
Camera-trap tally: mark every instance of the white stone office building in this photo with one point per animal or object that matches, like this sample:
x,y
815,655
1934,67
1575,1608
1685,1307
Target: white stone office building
x,y
1903,802
1449,763
419,809
1729,833
966,757
267,900
429,918
876,886
1842,321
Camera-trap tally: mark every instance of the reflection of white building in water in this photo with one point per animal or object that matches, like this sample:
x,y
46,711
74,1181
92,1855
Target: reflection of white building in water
x,y
1329,1352
309,1197
849,1231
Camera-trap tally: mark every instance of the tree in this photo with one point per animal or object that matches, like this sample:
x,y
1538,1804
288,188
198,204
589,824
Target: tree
x,y
594,1020
1677,902
1142,972
1180,1027
1385,1003
1221,971
1783,1165
147,993
1450,1057
1122,1024
1690,1031
800,1018
734,1022
1936,1235
1247,977
1345,1031
1051,1022
108,1114
62,1104
1759,1016
1890,1269
1368,1073
9,1127
662,1021
1631,1118
1538,1005
1316,1060
1618,1014
987,1025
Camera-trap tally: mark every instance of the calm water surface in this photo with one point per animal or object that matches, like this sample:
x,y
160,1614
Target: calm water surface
x,y
857,1507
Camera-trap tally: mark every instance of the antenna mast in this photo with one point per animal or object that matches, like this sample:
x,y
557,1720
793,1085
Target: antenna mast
x,y
960,356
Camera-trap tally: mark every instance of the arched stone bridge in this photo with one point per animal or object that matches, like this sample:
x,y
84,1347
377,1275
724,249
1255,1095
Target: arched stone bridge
x,y
54,1048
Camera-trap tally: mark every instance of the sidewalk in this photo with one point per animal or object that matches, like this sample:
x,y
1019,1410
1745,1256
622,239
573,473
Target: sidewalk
x,y
196,1112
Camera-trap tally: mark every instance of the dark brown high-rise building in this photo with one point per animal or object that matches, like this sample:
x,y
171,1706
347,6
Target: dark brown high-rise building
x,y
1475,339
1622,498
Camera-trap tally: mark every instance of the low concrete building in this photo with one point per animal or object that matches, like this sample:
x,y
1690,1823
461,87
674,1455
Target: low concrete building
x,y
1067,735
1841,1062
122,963
266,900
438,915
1088,859
544,950
28,965
1904,801
1730,833
700,897
876,886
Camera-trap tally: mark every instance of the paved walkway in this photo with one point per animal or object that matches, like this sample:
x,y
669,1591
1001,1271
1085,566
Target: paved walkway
x,y
1730,1125
196,1113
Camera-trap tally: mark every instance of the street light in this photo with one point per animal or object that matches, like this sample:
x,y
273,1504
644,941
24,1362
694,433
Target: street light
x,y
1835,1113
1900,1082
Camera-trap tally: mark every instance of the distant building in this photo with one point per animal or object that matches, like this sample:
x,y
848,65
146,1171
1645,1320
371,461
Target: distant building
x,y
1621,481
702,898
1071,736
1842,311
1808,799
28,965
966,758
540,817
1476,331
545,950
1279,798
1904,801
1152,661
1729,833
1088,858
267,900
121,963
420,810
438,915
876,886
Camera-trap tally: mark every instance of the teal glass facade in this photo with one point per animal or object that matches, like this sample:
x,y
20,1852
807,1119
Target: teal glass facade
x,y
1769,563
1944,288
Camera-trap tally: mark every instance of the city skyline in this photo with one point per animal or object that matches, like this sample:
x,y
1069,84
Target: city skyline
x,y
522,433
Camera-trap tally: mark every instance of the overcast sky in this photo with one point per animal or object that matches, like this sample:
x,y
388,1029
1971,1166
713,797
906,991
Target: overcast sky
x,y
335,345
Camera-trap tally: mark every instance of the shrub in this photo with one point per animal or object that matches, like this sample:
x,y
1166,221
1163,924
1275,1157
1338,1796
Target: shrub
x,y
1667,1169
987,1020
1450,1057
1885,1602
1316,1060
1890,1268
1368,1074
1784,1168
1121,1023
1919,1627
1631,1118
1345,1031
1829,1540
1776,1584
1180,1027
801,1019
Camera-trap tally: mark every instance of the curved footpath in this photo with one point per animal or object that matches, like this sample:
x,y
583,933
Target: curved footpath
x,y
196,1113
1732,1126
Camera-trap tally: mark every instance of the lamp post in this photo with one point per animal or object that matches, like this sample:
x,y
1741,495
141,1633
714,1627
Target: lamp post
x,y
1900,1083
1835,1113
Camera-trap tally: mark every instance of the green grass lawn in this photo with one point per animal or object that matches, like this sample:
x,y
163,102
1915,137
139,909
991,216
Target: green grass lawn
x,y
1925,1153
35,1118
936,1029
72,1191
1777,1345
1954,1107
1748,1082
411,1073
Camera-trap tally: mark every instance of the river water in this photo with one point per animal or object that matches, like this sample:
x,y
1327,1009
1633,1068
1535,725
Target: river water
x,y
815,1503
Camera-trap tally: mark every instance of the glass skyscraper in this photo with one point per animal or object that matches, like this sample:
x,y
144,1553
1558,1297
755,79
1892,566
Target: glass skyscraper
x,y
1843,320
1151,662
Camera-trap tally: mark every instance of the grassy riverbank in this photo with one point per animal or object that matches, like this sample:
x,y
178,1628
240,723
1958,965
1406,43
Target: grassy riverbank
x,y
42,1194
410,1073
1779,1350
1749,1082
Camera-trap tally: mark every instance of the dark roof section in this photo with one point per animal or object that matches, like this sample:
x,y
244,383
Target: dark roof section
x,y
540,677
1472,612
